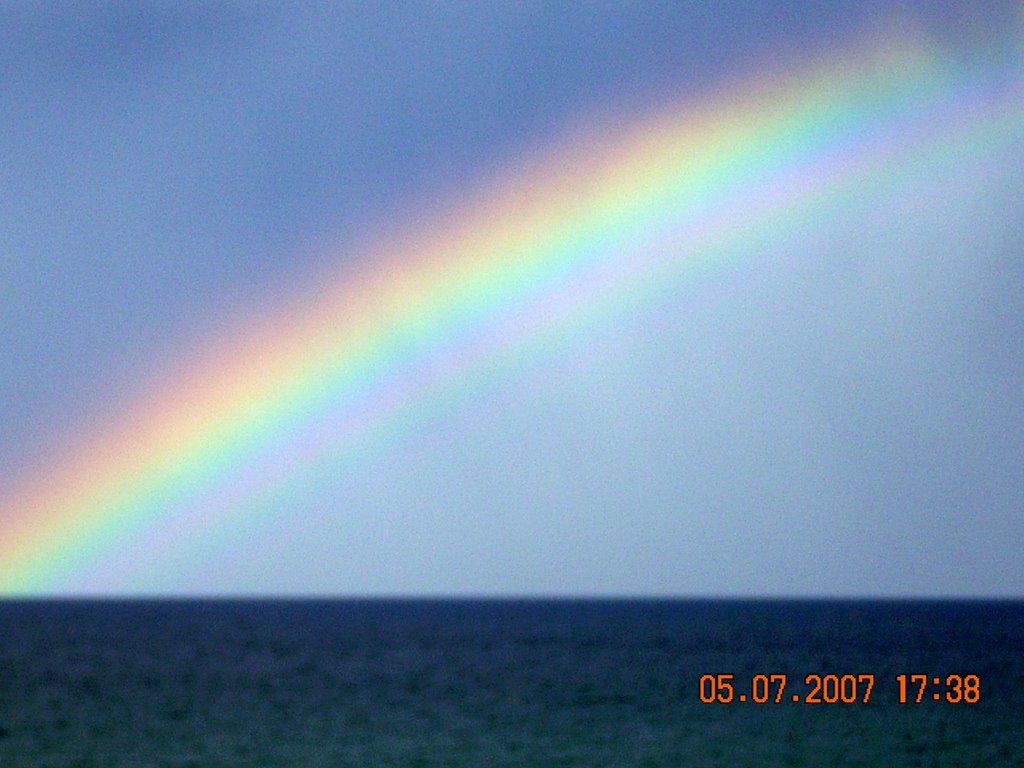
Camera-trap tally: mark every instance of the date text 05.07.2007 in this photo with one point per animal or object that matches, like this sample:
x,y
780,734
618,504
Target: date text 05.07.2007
x,y
837,689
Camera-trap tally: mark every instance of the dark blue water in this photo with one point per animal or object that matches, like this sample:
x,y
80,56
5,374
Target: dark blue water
x,y
501,683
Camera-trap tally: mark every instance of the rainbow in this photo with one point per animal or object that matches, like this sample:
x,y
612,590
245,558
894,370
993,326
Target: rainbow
x,y
617,209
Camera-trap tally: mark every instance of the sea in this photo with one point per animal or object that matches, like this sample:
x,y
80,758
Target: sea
x,y
388,682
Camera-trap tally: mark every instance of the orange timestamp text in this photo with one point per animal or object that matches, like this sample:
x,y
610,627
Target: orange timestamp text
x,y
829,688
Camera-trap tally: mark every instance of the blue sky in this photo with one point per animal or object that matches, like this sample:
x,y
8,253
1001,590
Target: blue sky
x,y
852,425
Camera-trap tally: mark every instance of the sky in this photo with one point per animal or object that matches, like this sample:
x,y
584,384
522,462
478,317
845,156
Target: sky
x,y
831,403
